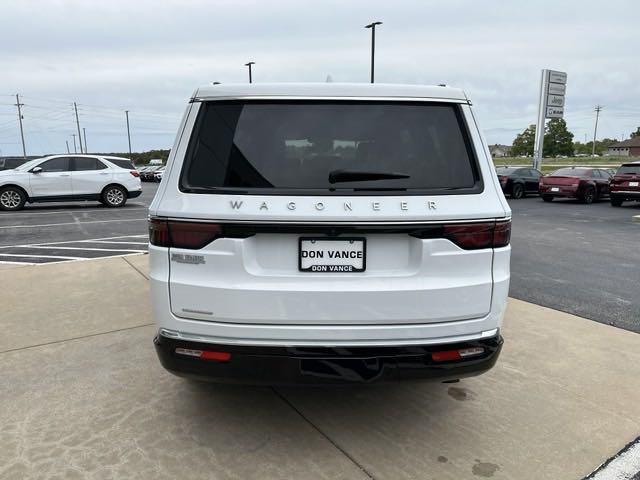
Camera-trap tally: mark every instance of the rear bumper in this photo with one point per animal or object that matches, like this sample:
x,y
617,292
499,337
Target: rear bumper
x,y
267,365
562,192
134,193
625,195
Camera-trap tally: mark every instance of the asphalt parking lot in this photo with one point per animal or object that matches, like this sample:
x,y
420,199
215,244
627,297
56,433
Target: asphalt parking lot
x,y
580,259
54,232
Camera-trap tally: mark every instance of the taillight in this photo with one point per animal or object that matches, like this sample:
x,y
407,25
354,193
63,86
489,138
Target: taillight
x,y
474,236
135,173
189,235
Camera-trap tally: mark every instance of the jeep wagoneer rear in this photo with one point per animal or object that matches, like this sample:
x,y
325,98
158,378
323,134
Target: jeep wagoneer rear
x,y
329,233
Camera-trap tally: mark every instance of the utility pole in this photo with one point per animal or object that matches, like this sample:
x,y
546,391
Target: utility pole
x,y
67,142
249,65
84,134
75,107
595,130
18,104
75,149
372,26
126,112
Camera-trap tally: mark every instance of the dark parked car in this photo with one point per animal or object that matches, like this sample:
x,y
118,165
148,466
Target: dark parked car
x,y
625,184
586,184
518,181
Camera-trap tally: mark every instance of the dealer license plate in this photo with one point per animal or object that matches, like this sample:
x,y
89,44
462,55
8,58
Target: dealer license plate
x,y
633,184
555,189
332,255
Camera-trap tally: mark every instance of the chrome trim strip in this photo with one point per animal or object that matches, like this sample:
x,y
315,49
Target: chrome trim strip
x,y
189,337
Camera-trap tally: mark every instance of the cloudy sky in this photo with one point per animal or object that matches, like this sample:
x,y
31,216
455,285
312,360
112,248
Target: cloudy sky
x,y
147,56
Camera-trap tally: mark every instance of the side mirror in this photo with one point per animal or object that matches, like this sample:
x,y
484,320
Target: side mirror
x,y
36,170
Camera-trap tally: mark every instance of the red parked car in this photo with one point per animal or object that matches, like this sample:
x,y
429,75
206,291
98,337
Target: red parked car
x,y
586,184
625,184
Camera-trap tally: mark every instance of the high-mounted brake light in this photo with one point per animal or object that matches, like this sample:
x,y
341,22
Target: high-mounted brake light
x,y
189,235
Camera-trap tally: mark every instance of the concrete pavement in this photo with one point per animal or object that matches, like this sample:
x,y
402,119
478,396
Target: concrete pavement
x,y
83,396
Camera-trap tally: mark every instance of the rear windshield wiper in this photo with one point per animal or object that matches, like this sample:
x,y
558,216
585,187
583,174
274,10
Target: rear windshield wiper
x,y
336,176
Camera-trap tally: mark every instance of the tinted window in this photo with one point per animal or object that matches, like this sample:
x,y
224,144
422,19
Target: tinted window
x,y
505,171
83,163
573,172
122,163
60,164
629,170
534,173
293,146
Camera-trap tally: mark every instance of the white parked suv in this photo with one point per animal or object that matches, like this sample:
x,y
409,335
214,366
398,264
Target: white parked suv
x,y
59,178
329,233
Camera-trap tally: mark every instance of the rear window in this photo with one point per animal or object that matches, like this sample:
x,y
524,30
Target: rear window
x,y
295,146
572,172
505,171
629,170
122,163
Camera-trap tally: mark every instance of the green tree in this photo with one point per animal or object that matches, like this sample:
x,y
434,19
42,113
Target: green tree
x,y
523,143
636,133
557,139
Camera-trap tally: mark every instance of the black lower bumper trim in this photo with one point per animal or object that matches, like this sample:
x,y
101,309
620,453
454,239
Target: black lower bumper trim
x,y
335,365
134,194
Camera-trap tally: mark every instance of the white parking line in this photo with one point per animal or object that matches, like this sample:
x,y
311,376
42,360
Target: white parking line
x,y
90,249
25,213
73,223
20,255
88,240
113,241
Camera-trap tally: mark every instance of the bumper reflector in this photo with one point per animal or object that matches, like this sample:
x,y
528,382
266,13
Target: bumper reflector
x,y
449,355
204,354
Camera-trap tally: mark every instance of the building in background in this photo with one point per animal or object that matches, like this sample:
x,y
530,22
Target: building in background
x,y
627,148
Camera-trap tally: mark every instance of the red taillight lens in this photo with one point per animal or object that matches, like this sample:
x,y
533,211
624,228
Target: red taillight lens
x,y
159,232
474,236
189,235
193,235
502,234
135,173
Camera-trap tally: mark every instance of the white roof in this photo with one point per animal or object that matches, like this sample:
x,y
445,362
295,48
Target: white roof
x,y
328,90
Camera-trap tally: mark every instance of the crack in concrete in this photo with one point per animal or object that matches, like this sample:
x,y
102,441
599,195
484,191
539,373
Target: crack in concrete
x,y
325,435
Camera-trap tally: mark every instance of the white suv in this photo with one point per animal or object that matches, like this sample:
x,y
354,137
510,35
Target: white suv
x,y
329,233
60,178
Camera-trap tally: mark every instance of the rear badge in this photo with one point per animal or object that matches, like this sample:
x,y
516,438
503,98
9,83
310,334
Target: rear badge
x,y
186,258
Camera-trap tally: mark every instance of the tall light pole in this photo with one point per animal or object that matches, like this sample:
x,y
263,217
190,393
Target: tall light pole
x,y
84,134
248,64
75,147
372,26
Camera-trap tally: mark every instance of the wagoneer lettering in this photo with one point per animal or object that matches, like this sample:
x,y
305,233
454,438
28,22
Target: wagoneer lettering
x,y
328,233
